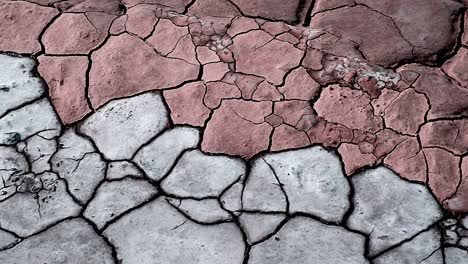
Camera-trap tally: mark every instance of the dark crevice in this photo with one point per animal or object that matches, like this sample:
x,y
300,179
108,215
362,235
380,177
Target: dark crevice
x,y
308,16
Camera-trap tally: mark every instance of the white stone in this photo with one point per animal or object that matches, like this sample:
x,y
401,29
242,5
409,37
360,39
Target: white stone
x,y
421,249
451,237
455,255
303,240
11,163
262,191
27,121
163,234
159,156
390,209
7,239
122,126
84,176
314,182
73,146
206,211
39,151
231,198
259,226
79,165
463,242
198,175
25,214
7,191
120,169
17,83
72,242
114,198
464,222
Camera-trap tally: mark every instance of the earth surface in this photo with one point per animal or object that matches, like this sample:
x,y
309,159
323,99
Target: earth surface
x,y
234,131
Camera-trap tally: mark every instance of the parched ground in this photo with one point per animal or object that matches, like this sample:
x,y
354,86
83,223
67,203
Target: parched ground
x,y
234,131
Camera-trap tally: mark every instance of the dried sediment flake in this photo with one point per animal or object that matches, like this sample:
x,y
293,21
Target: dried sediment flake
x,y
138,119
72,241
77,162
17,83
197,175
159,155
114,198
390,209
27,121
313,181
424,248
28,213
313,241
163,233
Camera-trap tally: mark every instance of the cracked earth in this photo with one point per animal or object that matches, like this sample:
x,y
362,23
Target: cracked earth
x,y
234,131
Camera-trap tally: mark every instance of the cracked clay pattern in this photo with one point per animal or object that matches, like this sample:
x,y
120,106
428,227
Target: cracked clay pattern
x,y
234,131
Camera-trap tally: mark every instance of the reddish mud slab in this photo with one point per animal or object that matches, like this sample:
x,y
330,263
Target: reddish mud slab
x,y
233,130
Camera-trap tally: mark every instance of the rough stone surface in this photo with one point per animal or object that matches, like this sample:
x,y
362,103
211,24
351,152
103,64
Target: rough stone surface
x,y
231,199
114,198
17,84
26,214
299,85
389,209
315,241
250,53
12,162
7,239
217,91
141,19
68,88
107,6
166,235
457,67
262,191
120,169
443,172
113,73
22,24
186,104
456,256
166,35
354,158
77,162
81,37
207,211
418,30
259,226
424,248
138,120
313,182
447,98
238,128
160,155
447,134
344,22
199,175
272,9
408,161
39,151
458,203
407,112
71,241
28,120
348,107
281,139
